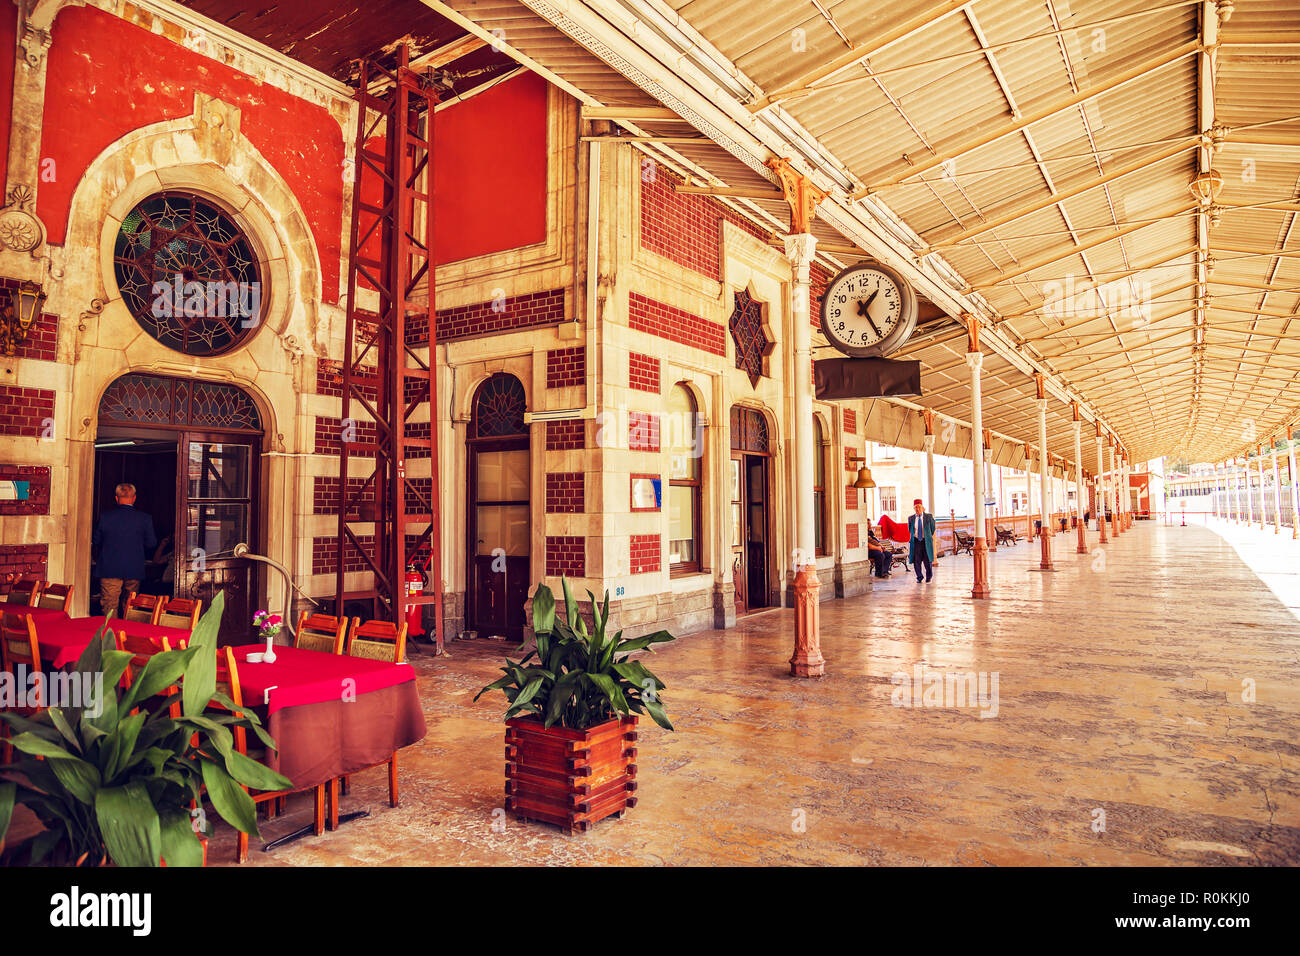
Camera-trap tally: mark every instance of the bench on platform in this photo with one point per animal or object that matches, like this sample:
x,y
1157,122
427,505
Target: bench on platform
x,y
1005,535
964,542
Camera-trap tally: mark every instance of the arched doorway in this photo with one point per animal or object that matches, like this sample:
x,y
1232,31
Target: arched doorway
x,y
751,520
499,512
192,449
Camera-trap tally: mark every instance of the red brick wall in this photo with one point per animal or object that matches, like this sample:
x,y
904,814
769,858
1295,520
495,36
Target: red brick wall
x,y
643,372
38,491
850,421
851,536
20,559
677,325
642,431
645,553
817,279
566,434
329,379
325,492
23,410
521,312
565,492
566,367
850,498
323,554
329,433
850,465
685,229
566,556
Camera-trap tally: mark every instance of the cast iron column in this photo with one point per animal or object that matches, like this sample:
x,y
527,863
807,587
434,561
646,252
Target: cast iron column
x,y
1295,487
807,660
1277,492
1082,546
1045,564
980,589
1101,489
1259,468
990,536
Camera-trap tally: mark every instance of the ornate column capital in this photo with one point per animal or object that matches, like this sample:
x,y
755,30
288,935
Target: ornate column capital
x,y
975,360
927,444
799,249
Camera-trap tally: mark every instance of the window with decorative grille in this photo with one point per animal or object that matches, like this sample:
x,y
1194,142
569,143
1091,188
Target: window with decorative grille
x,y
188,274
749,336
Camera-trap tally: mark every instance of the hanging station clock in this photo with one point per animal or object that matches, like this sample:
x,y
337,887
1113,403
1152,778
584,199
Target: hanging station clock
x,y
868,310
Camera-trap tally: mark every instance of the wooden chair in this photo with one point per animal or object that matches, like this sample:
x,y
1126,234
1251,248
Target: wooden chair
x,y
24,591
55,596
179,612
144,648
321,632
964,542
228,683
18,645
377,641
143,607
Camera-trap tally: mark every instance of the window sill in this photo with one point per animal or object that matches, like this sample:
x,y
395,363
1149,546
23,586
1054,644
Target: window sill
x,y
684,581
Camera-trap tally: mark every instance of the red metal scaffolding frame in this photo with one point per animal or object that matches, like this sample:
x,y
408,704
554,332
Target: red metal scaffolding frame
x,y
391,252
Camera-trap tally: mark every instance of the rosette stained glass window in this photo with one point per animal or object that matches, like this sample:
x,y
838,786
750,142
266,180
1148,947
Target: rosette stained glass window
x,y
188,274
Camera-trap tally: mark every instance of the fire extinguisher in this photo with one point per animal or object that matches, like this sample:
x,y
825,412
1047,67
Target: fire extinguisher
x,y
414,588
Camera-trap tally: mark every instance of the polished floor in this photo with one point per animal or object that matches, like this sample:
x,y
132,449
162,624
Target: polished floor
x,y
1121,735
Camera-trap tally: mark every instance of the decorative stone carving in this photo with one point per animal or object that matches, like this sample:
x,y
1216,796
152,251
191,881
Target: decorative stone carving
x,y
20,229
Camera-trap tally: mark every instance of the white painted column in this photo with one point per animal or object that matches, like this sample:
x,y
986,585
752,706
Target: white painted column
x,y
807,660
928,445
1295,490
1277,493
980,587
1045,562
1078,481
1259,467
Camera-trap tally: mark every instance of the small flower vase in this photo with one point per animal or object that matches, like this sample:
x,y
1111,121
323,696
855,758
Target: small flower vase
x,y
269,656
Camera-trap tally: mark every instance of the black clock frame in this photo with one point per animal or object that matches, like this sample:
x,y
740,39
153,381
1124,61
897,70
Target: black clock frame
x,y
907,317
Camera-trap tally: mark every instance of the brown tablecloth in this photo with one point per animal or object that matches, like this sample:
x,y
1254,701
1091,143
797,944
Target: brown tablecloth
x,y
320,741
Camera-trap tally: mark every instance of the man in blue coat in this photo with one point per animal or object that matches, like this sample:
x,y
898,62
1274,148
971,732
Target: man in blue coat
x,y
920,541
122,541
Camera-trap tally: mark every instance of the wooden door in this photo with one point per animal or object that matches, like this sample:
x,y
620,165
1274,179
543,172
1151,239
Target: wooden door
x,y
738,535
499,512
756,536
216,510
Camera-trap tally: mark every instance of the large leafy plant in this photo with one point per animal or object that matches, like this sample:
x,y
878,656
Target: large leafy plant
x,y
109,784
581,678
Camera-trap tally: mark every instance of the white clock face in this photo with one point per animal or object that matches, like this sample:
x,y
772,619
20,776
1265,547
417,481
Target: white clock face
x,y
864,308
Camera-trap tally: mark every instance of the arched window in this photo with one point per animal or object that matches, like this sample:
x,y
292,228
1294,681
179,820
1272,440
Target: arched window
x,y
819,485
188,274
686,446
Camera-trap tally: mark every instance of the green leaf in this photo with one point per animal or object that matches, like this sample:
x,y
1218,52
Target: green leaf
x,y
130,826
656,709
229,799
60,720
250,773
8,790
570,606
610,690
120,744
640,643
201,675
543,612
525,695
180,844
160,671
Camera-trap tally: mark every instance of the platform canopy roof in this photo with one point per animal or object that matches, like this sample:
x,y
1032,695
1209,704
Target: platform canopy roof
x,y
1110,186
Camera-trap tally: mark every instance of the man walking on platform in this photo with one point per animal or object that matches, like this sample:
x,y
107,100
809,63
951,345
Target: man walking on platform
x,y
920,543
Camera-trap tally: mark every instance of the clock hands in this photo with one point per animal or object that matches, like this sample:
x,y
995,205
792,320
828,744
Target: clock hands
x,y
864,306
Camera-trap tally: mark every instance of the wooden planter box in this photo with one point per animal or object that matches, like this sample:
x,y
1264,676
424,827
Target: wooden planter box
x,y
571,778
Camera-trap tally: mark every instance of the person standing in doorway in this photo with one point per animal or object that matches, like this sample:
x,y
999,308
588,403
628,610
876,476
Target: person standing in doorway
x,y
920,543
122,541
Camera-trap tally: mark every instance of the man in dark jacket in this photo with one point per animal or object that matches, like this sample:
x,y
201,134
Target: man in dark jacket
x,y
122,540
920,545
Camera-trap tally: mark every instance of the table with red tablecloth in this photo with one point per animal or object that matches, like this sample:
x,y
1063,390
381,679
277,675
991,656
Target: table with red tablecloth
x,y
63,638
330,714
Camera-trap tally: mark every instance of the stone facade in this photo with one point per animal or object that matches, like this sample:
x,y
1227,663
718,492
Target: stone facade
x,y
599,321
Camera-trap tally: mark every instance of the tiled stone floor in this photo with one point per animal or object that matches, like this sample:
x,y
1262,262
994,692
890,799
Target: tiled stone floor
x,y
1120,690
1120,680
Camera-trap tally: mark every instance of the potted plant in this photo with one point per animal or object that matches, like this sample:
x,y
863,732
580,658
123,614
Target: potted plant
x,y
570,729
123,779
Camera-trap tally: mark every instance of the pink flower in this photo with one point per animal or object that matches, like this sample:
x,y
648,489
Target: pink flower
x,y
274,619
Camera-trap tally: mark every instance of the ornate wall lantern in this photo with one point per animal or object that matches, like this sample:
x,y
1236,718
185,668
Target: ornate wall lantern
x,y
18,314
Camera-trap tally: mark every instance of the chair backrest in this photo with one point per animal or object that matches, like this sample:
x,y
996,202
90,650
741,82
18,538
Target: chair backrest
x,y
228,684
378,641
144,648
56,596
143,607
18,644
321,632
24,591
180,612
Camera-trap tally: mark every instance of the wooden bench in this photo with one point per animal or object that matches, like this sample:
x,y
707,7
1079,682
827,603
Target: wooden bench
x,y
1005,535
964,542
